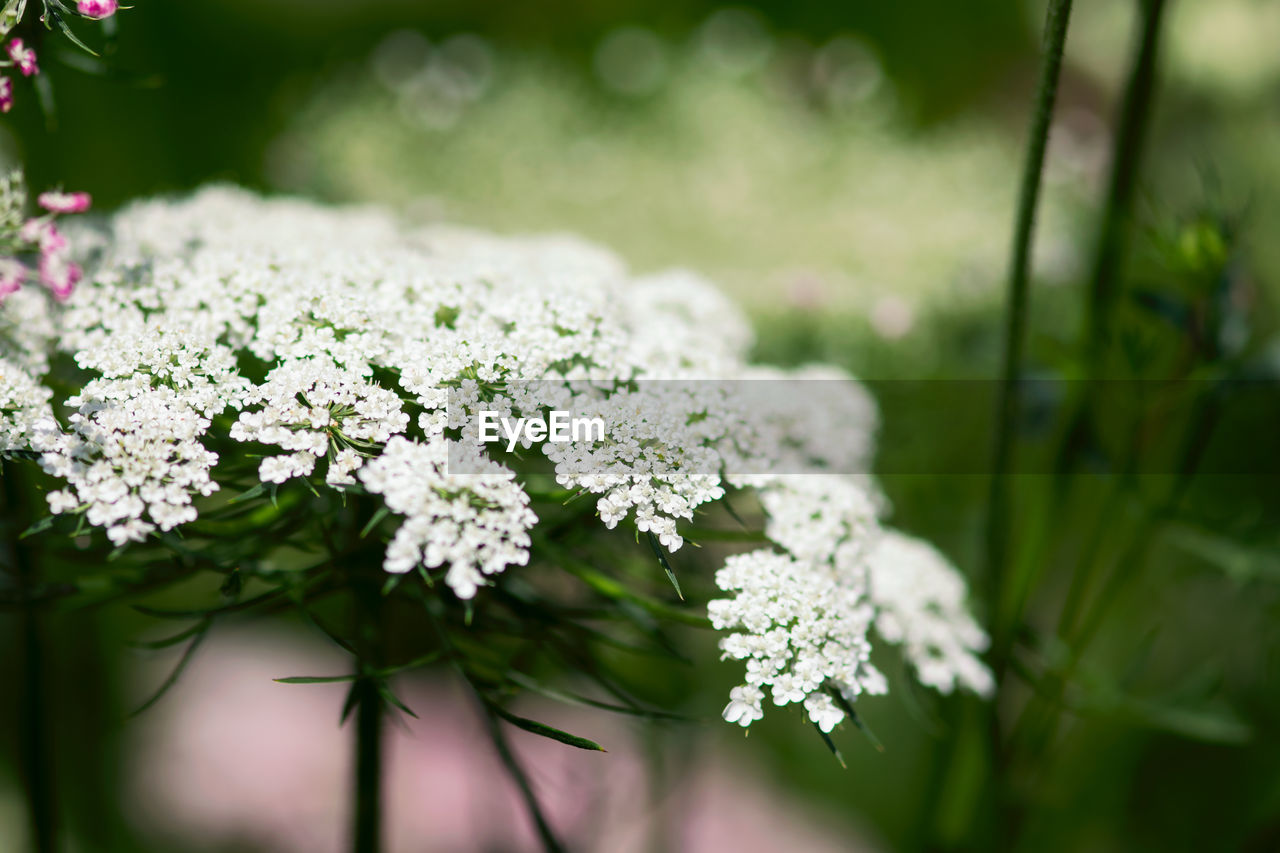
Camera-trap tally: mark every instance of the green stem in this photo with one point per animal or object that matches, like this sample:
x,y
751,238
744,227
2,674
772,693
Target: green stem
x,y
1009,401
1104,278
367,817
1131,130
35,744
367,835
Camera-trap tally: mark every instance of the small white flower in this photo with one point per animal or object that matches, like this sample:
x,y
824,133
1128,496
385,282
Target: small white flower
x,y
744,705
823,711
62,501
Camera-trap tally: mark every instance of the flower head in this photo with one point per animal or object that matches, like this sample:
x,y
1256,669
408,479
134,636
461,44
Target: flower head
x,y
60,202
364,329
6,94
23,57
97,9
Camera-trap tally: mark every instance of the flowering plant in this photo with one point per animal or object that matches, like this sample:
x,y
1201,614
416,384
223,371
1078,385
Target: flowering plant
x,y
37,238
270,391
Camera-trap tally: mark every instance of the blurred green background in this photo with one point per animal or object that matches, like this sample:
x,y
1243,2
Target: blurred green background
x,y
847,171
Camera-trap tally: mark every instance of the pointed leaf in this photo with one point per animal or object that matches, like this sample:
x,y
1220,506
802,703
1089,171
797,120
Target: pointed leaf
x,y
349,704
546,731
826,738
51,14
662,558
374,521
390,698
257,491
39,526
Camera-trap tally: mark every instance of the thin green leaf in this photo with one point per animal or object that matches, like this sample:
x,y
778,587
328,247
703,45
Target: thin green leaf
x,y
168,683
315,679
542,729
171,640
416,663
349,704
666,565
66,30
257,491
39,526
612,589
549,840
847,707
373,522
831,745
390,698
521,680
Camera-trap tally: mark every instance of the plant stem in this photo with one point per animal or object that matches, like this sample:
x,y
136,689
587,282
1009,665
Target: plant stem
x,y
367,817
35,746
367,836
1009,400
1126,154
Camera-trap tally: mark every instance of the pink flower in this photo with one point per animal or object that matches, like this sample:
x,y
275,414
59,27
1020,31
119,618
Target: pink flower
x,y
6,94
58,202
12,275
98,8
44,232
58,274
24,57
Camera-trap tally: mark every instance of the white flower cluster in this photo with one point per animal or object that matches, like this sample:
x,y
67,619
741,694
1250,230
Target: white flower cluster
x,y
802,611
339,335
920,599
24,403
311,407
661,459
181,298
803,632
476,525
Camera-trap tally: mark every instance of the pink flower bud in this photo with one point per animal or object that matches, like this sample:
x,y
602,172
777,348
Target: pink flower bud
x,y
59,274
98,8
6,94
23,56
58,202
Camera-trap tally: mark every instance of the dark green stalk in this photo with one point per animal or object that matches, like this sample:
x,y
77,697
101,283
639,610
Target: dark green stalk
x,y
1113,231
1131,131
367,835
1009,401
35,745
367,817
